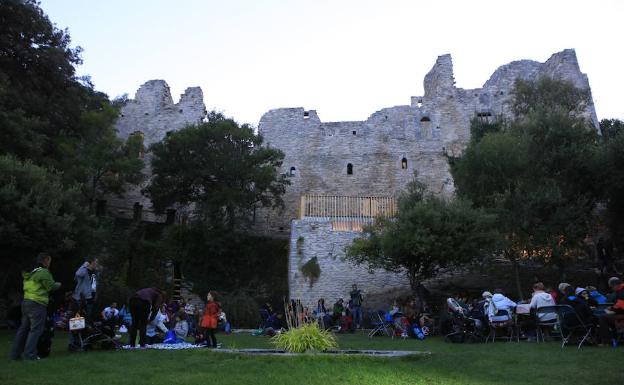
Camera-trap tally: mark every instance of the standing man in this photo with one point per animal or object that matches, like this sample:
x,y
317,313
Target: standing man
x,y
144,306
356,303
84,292
37,286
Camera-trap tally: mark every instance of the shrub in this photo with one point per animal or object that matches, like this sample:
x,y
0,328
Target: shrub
x,y
311,270
308,337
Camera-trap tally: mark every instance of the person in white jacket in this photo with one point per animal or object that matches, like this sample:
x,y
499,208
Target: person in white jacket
x,y
151,331
500,308
540,299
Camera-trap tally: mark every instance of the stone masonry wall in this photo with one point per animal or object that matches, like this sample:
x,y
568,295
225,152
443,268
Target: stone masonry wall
x,y
422,132
317,154
337,275
153,113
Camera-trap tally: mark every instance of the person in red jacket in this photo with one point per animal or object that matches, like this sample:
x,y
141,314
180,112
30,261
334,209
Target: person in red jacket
x,y
210,318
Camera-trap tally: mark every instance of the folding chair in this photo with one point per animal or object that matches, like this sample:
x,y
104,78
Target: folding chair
x,y
380,324
550,324
569,323
508,325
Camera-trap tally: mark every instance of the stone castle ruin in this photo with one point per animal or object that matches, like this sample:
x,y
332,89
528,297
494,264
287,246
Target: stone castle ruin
x,y
344,174
152,114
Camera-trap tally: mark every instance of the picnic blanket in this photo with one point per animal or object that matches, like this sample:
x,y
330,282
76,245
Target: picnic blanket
x,y
178,346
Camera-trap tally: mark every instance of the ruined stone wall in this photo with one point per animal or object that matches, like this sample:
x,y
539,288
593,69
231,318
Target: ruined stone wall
x,y
422,132
153,113
315,238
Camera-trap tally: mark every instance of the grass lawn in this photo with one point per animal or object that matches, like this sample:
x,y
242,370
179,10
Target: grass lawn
x,y
499,363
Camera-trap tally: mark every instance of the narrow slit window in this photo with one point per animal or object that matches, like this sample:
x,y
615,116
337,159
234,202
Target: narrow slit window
x,y
137,213
349,169
404,163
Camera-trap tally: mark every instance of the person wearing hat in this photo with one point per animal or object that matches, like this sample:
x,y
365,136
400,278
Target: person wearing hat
x,y
578,304
583,294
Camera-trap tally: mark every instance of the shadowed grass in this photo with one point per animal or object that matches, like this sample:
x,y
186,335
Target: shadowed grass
x,y
499,363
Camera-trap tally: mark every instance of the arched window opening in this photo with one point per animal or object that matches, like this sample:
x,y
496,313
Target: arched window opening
x,y
404,163
349,169
425,119
293,171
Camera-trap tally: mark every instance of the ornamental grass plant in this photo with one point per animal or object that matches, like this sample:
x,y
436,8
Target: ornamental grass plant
x,y
308,337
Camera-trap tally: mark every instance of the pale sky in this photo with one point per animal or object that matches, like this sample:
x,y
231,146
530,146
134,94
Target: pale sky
x,y
344,58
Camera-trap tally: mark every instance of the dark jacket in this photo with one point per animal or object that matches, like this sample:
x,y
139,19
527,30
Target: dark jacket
x,y
154,297
580,307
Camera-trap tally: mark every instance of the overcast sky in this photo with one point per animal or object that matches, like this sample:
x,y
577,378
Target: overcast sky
x,y
344,58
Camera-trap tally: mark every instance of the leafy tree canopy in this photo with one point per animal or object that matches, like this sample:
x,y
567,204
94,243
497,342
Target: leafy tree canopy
x,y
428,233
538,174
220,167
40,97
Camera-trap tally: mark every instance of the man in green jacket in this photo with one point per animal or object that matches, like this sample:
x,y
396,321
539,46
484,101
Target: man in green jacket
x,y
37,286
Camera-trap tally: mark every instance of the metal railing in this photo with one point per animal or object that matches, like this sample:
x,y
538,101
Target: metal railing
x,y
348,213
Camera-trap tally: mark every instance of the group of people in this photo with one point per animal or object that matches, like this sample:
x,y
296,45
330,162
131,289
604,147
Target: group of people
x,y
497,309
154,321
346,317
146,316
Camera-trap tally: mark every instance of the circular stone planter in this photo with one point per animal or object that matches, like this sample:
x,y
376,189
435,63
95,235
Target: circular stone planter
x,y
351,352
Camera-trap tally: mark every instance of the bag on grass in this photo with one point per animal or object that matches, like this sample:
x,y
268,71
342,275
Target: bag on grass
x,y
418,333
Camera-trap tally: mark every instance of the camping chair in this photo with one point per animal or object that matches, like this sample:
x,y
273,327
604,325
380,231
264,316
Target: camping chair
x,y
381,324
569,323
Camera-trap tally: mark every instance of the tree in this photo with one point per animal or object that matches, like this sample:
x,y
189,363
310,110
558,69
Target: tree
x,y
41,99
219,167
101,162
537,174
610,128
428,234
37,212
612,177
58,144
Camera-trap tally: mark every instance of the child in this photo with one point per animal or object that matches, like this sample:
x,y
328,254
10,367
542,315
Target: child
x,y
181,327
210,319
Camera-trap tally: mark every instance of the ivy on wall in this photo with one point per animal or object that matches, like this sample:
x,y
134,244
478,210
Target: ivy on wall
x,y
311,270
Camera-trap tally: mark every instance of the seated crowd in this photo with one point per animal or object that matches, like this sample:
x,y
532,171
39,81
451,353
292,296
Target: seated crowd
x,y
587,307
174,322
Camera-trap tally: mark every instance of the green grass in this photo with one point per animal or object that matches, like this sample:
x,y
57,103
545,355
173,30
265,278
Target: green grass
x,y
499,363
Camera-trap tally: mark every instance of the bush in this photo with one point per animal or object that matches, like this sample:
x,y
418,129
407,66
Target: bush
x,y
308,337
311,270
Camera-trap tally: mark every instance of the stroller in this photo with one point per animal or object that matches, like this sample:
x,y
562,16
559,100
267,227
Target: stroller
x,y
96,334
465,329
